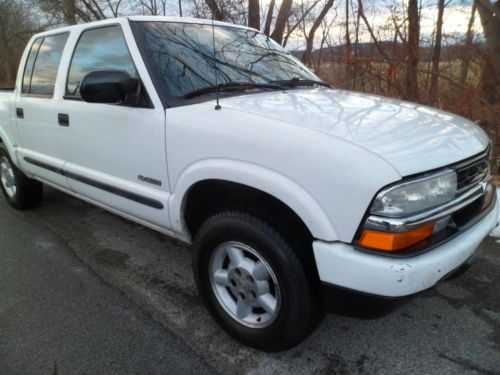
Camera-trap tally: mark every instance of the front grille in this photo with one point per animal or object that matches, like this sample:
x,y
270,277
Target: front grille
x,y
473,171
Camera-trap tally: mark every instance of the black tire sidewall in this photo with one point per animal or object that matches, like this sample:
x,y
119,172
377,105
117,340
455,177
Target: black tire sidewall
x,y
15,200
292,322
29,192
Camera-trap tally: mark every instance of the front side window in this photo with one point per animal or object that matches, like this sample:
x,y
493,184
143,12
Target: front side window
x,y
183,56
103,48
41,78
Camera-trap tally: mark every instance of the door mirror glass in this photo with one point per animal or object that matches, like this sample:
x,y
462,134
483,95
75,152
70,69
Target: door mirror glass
x,y
107,86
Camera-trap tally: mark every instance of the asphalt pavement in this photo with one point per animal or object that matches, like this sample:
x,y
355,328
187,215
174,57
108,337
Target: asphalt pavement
x,y
58,317
97,294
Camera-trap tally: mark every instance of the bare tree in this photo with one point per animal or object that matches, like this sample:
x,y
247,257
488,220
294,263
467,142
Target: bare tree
x,y
269,17
154,7
464,66
355,71
411,78
114,7
16,27
74,11
254,14
301,19
310,37
281,21
436,53
348,49
70,12
490,20
379,48
217,12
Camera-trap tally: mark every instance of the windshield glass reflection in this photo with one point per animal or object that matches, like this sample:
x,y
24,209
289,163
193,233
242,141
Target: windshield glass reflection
x,y
183,54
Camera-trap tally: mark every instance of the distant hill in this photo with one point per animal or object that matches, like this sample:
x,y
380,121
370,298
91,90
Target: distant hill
x,y
396,51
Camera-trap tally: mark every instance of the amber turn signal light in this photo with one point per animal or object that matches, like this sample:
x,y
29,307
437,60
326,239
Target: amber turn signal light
x,y
385,241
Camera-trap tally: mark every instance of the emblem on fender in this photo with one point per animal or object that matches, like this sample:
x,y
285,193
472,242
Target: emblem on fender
x,y
149,180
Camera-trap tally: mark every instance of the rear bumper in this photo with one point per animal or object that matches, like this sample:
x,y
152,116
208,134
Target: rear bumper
x,y
341,265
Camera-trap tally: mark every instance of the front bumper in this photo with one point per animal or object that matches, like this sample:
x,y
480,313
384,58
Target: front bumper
x,y
341,265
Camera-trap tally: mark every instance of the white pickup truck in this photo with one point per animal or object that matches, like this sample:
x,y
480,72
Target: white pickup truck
x,y
287,188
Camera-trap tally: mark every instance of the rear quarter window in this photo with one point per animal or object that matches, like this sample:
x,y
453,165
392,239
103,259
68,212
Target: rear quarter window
x,y
42,65
28,69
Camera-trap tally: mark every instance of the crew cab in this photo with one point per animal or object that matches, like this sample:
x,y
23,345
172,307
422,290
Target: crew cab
x,y
285,186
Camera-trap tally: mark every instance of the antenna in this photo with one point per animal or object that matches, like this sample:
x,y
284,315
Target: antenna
x,y
217,105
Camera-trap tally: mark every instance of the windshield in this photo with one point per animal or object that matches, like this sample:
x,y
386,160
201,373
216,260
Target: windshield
x,y
183,55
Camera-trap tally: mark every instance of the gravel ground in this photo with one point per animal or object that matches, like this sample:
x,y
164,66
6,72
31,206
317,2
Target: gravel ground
x,y
451,329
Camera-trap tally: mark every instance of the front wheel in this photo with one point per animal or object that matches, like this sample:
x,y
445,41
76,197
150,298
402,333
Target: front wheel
x,y
20,191
253,281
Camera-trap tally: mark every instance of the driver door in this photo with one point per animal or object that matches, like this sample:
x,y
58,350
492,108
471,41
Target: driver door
x,y
115,153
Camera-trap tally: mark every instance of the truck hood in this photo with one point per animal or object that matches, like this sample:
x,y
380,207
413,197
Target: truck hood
x,y
412,137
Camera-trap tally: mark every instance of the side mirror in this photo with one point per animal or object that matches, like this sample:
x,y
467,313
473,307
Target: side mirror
x,y
107,86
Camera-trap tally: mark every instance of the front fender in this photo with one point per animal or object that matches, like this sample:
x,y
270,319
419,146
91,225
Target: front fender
x,y
268,181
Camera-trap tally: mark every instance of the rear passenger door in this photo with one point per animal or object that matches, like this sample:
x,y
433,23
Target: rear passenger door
x,y
40,149
115,153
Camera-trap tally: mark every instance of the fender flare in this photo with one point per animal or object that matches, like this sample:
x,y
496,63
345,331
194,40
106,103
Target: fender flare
x,y
257,177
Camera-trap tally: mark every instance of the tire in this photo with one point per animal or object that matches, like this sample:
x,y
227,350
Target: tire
x,y
223,286
20,191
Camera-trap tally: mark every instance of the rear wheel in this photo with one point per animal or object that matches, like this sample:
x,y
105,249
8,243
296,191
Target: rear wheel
x,y
20,191
253,281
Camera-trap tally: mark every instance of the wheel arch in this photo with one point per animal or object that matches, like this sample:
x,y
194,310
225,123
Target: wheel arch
x,y
237,181
8,145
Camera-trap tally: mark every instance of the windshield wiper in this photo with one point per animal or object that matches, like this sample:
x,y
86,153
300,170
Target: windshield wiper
x,y
232,86
301,82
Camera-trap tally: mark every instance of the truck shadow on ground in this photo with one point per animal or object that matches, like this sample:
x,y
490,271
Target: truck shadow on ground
x,y
451,329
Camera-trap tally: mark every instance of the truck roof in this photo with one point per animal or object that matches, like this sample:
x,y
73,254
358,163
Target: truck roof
x,y
202,21
107,21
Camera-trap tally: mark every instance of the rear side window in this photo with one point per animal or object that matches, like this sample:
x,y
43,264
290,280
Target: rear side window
x,y
98,49
40,79
28,69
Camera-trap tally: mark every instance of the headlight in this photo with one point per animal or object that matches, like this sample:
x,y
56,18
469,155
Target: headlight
x,y
417,195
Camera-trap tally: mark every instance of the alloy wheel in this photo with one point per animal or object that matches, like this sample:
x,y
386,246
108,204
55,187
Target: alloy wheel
x,y
245,284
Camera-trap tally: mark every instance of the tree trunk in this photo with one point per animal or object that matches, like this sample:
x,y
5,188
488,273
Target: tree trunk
x,y
254,14
70,12
355,72
413,51
269,18
283,15
436,53
217,13
300,21
348,50
310,38
464,66
4,46
490,19
361,13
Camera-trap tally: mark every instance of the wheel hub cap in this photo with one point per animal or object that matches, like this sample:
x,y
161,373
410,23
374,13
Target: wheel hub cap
x,y
7,177
245,284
